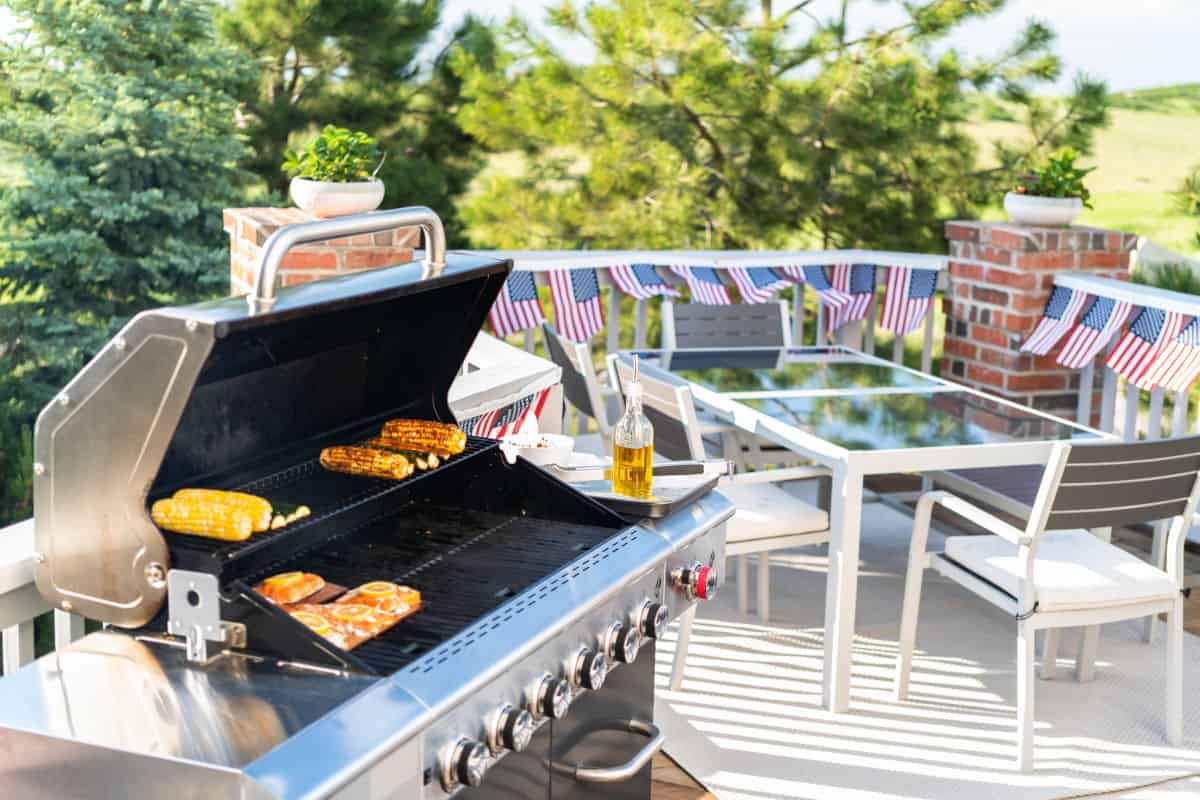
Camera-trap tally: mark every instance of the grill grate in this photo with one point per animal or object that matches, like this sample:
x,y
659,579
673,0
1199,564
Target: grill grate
x,y
465,564
307,483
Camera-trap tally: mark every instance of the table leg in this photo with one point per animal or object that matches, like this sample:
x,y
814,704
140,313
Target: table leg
x,y
841,587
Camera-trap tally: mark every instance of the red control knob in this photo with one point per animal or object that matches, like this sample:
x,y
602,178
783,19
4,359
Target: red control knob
x,y
706,582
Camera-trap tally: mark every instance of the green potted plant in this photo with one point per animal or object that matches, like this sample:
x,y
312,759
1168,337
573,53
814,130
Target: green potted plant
x,y
1050,195
334,174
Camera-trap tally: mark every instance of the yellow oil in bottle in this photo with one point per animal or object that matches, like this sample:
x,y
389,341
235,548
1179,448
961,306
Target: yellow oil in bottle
x,y
632,471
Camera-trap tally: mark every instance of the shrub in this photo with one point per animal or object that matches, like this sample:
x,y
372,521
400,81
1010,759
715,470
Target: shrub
x,y
1176,277
338,155
1058,177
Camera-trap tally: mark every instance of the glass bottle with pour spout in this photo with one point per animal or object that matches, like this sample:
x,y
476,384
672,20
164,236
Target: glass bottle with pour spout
x,y
633,444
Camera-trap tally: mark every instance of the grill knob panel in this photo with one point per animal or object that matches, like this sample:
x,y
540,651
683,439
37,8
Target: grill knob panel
x,y
621,643
697,582
589,670
510,729
463,763
549,697
652,619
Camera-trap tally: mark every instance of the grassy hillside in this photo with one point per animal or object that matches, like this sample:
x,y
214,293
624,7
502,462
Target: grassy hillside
x,y
1182,97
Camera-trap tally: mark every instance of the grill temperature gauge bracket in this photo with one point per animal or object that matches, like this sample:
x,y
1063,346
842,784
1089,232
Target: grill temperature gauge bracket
x,y
194,609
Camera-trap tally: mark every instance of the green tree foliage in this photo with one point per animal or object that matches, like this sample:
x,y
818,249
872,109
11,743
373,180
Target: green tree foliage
x,y
356,64
708,123
1187,197
124,113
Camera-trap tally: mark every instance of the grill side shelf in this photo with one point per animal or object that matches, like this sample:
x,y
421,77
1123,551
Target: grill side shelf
x,y
335,499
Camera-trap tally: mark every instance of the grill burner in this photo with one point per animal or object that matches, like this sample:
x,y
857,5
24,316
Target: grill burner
x,y
465,564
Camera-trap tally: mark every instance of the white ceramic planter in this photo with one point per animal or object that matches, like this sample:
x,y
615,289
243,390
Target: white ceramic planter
x,y
1044,211
323,199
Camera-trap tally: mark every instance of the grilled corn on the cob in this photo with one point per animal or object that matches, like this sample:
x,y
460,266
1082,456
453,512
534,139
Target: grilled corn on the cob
x,y
199,517
258,508
423,461
425,436
366,461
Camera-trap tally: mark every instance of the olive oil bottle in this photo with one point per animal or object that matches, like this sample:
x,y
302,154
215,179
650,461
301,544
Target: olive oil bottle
x,y
633,444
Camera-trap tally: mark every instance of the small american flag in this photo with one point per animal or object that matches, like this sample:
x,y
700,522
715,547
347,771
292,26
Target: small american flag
x,y
815,277
517,308
704,284
857,281
909,295
640,281
1179,363
758,284
514,418
1103,318
1142,344
577,312
1062,309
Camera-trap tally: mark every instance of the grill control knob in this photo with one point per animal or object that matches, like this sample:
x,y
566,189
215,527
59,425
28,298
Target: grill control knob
x,y
621,643
463,763
652,619
510,729
697,582
589,669
549,697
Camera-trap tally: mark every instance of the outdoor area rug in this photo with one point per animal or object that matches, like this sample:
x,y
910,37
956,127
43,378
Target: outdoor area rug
x,y
749,726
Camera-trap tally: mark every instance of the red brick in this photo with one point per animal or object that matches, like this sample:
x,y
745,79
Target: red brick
x,y
308,276
1012,240
957,347
375,257
1019,323
994,255
1087,260
962,231
972,272
985,375
985,334
309,259
983,294
1017,280
962,290
1054,260
1029,302
1036,382
999,358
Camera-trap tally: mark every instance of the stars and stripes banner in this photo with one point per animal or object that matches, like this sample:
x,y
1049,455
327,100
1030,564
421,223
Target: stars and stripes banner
x,y
1103,318
517,308
578,315
857,281
641,281
758,284
909,296
1178,365
516,417
1142,344
704,284
1062,309
815,277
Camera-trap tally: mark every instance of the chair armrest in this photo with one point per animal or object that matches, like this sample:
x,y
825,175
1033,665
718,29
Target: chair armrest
x,y
780,475
977,515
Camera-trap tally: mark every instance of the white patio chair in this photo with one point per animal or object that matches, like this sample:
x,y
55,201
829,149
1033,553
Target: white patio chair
x,y
584,391
767,517
1051,575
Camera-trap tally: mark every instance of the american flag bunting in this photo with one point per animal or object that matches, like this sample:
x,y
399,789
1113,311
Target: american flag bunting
x,y
1062,309
758,284
513,418
1178,365
704,284
578,315
1103,318
640,281
858,282
909,295
517,308
815,277
1142,344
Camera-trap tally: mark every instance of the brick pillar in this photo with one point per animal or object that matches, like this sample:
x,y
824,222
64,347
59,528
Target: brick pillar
x,y
1001,274
249,228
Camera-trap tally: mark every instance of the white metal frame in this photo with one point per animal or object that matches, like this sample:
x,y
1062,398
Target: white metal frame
x,y
1025,608
849,468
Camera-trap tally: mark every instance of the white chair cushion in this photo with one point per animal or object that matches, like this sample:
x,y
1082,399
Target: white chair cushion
x,y
1074,570
764,510
591,443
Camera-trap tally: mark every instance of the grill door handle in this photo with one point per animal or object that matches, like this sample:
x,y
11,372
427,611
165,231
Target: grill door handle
x,y
262,298
621,772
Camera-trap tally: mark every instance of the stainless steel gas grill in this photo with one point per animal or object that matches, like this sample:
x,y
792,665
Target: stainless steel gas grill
x,y
529,669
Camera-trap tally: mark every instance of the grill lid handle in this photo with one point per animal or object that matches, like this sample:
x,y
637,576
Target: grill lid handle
x,y
262,297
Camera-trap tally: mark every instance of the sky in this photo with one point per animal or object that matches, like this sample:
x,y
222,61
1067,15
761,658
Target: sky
x,y
1131,45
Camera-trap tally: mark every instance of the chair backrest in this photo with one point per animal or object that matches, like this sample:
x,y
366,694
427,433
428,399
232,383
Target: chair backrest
x,y
1108,484
686,325
671,410
581,385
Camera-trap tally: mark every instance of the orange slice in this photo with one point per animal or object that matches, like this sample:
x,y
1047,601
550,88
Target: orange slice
x,y
315,622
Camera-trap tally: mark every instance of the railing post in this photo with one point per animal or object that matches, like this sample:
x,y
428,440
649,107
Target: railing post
x,y
1087,380
67,628
798,314
641,310
18,646
613,342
